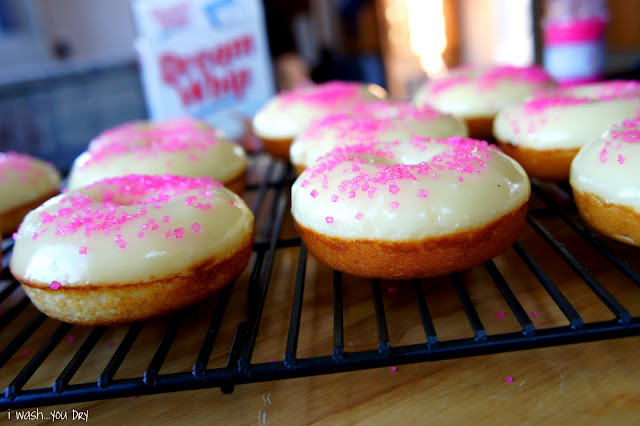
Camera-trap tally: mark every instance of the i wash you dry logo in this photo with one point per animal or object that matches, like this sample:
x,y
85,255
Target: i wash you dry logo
x,y
52,416
215,75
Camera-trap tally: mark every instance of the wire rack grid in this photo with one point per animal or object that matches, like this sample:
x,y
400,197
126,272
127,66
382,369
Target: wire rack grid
x,y
552,215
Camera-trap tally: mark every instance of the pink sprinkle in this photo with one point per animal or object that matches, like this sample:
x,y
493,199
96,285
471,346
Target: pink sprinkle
x,y
394,204
329,219
422,193
25,353
314,193
165,219
460,178
157,206
71,339
620,160
534,314
233,203
167,234
55,285
393,188
35,235
358,216
508,379
393,369
178,233
83,250
500,314
304,183
154,227
110,343
196,227
140,234
334,198
272,360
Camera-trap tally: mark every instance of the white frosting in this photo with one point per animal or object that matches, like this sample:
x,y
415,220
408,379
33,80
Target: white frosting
x,y
65,240
182,147
408,190
481,92
380,121
567,118
287,114
609,167
24,179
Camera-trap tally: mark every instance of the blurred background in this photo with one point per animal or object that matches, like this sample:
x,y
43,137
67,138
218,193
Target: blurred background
x,y
69,68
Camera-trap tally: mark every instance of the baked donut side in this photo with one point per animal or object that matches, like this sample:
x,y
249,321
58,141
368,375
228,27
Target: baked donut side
x,y
429,257
551,164
25,183
287,114
184,147
121,303
410,209
615,221
381,121
129,248
605,178
545,133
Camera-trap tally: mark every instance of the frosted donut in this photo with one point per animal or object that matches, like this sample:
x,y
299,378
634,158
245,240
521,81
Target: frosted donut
x,y
477,94
129,248
380,121
25,183
545,133
286,115
184,147
605,178
410,209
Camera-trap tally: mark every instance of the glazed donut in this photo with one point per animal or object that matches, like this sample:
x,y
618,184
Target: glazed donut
x,y
25,183
545,133
184,147
129,248
380,121
286,115
411,209
605,178
477,94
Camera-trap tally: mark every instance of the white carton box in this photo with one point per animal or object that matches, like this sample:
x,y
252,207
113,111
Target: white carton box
x,y
204,58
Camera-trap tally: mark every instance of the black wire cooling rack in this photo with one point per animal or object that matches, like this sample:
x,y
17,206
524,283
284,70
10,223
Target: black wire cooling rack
x,y
269,197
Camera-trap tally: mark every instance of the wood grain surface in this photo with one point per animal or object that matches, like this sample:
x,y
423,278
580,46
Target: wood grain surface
x,y
587,383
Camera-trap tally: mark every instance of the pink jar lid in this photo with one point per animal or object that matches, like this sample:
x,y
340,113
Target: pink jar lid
x,y
560,32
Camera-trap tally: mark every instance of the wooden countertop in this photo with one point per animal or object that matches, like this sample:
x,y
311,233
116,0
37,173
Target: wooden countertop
x,y
593,383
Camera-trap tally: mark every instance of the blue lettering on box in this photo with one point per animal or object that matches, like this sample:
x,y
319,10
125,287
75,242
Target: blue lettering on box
x,y
221,13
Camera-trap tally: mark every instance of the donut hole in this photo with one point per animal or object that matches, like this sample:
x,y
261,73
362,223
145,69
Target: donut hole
x,y
406,154
133,190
